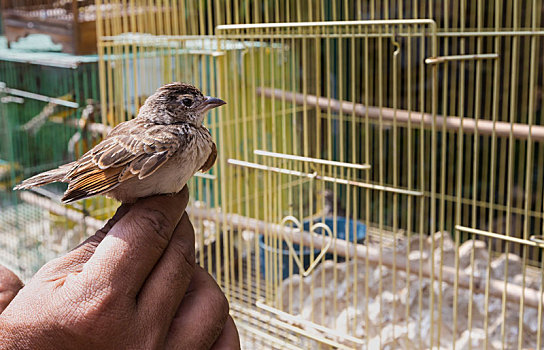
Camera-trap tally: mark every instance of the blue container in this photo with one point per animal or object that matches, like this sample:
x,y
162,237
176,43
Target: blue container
x,y
274,254
355,229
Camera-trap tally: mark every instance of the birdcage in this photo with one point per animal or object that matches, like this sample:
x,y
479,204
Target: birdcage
x,y
70,23
379,181
48,100
380,174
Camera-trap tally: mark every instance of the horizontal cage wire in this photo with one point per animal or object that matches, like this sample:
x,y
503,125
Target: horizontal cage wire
x,y
379,181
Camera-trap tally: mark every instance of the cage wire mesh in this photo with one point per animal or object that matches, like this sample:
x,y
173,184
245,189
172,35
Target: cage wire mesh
x,y
46,100
380,173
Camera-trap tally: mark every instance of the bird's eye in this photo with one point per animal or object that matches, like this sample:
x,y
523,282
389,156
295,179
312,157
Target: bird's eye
x,y
187,102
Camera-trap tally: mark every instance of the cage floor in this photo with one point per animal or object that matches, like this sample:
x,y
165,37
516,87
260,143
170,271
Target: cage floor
x,y
260,328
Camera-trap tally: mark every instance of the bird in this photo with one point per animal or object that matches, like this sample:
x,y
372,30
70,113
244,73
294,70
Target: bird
x,y
155,153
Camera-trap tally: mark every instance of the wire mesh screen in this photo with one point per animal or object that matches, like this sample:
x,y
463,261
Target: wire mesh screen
x,y
43,102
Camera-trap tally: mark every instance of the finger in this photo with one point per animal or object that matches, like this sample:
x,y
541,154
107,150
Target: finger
x,y
132,247
10,285
165,287
201,316
229,338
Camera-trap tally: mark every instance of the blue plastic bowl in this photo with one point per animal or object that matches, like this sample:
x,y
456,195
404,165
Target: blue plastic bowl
x,y
355,228
274,254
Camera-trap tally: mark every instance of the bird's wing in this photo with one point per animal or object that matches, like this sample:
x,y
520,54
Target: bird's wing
x,y
131,149
211,159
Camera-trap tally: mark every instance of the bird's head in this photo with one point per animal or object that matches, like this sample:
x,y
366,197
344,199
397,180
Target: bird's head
x,y
178,102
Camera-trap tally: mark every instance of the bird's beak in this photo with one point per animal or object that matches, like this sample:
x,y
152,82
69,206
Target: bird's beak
x,y
212,102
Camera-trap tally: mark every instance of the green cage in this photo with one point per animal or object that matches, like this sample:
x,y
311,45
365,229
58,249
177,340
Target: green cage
x,y
43,97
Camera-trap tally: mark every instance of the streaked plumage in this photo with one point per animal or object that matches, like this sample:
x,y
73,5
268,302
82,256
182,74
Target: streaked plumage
x,y
155,153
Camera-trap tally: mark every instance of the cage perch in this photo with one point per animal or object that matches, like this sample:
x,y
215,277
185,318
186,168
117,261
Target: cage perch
x,y
58,209
468,125
496,288
513,293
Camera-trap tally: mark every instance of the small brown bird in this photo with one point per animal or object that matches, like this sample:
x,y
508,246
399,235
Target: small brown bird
x,y
155,153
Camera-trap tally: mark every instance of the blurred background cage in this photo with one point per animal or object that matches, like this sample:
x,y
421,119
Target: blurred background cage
x,y
381,164
70,23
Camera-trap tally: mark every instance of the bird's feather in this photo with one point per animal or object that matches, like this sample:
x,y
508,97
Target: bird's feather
x,y
211,159
95,181
54,175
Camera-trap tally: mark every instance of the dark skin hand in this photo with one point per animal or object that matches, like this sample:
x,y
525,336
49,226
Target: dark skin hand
x,y
134,284
9,286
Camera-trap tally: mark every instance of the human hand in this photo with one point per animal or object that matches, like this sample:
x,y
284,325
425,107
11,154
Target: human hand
x,y
10,285
133,284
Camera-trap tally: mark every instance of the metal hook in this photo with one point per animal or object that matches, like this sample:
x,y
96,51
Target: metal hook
x,y
396,44
538,239
294,255
324,250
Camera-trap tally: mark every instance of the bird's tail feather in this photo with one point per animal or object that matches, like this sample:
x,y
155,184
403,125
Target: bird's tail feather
x,y
54,175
